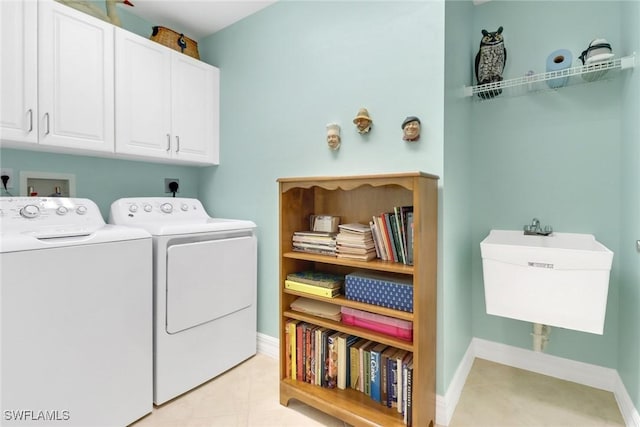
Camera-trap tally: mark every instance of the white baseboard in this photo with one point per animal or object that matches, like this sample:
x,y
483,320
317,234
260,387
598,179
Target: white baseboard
x,y
268,345
445,405
582,373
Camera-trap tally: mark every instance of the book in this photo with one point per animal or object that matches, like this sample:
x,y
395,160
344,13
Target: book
x,y
409,405
405,211
400,234
362,363
375,240
388,236
291,347
360,257
380,237
375,371
397,379
300,351
355,228
317,308
367,368
287,350
345,341
311,289
332,360
386,375
319,242
317,278
354,361
410,238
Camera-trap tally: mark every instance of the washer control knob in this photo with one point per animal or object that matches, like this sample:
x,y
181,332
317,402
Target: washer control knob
x,y
62,210
81,210
30,211
133,208
166,207
148,208
184,207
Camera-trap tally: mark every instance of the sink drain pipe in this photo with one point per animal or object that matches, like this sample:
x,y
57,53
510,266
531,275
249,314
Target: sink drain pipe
x,y
540,336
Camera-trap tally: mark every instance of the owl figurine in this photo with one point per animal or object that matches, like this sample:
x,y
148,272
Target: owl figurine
x,y
490,61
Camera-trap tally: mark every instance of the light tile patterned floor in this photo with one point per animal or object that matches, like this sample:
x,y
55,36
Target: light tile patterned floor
x,y
494,395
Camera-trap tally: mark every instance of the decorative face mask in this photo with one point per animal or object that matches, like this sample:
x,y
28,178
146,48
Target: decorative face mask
x,y
411,129
333,136
363,121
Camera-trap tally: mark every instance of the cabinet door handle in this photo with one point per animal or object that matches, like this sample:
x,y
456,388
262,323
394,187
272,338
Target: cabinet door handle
x,y
177,143
46,116
30,112
168,143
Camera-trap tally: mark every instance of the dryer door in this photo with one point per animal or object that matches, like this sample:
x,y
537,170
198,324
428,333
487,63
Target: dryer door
x,y
209,279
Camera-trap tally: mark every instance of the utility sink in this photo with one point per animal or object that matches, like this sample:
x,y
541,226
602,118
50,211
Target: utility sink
x,y
557,280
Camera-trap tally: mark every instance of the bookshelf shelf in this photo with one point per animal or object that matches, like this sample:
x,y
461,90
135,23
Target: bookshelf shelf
x,y
375,265
342,301
357,199
353,330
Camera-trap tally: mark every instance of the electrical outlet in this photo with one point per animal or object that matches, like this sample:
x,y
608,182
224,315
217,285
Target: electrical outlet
x,y
167,181
9,173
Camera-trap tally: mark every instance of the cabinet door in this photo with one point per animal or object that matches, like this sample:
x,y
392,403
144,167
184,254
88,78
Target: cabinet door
x,y
195,94
18,71
143,96
76,89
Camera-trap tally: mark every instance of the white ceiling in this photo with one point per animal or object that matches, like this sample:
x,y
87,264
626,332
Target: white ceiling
x,y
195,18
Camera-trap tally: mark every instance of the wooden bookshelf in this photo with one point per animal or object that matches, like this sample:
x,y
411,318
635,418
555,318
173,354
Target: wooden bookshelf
x,y
357,199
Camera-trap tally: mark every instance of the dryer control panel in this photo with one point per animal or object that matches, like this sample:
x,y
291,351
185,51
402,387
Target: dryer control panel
x,y
144,209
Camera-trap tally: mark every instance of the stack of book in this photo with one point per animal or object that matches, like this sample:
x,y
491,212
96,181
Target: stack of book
x,y
355,241
315,283
393,234
327,358
317,242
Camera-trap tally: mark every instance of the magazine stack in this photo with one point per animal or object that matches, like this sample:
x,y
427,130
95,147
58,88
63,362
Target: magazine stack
x,y
317,242
355,241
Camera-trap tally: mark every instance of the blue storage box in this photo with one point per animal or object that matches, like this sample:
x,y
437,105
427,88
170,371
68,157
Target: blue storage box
x,y
378,289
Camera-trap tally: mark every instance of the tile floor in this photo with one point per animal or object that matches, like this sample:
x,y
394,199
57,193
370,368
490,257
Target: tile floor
x,y
494,395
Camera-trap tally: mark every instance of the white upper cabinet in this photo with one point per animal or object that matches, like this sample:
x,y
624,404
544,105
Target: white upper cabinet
x,y
73,83
143,96
18,71
75,79
195,108
166,103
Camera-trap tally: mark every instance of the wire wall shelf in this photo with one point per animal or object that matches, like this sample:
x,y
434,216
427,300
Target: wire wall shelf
x,y
532,83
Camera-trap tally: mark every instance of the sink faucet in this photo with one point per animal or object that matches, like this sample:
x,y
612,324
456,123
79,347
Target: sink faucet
x,y
534,229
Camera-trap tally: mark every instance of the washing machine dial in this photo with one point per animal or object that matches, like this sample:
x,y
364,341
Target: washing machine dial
x,y
166,207
81,210
30,211
133,208
184,207
148,208
62,210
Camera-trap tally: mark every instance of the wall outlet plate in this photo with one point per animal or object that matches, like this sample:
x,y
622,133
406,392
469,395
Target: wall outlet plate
x,y
167,181
9,173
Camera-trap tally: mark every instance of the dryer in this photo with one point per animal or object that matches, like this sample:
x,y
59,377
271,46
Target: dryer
x,y
205,280
76,315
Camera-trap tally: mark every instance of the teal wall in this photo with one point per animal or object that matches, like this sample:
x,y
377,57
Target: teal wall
x,y
103,180
629,333
455,304
554,156
292,68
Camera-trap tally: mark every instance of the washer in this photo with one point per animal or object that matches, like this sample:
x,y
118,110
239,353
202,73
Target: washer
x,y
205,279
76,315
